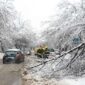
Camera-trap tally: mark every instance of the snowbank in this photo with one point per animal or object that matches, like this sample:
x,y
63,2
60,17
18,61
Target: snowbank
x,y
37,80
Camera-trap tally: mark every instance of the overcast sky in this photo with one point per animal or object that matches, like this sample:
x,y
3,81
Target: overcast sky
x,y
37,10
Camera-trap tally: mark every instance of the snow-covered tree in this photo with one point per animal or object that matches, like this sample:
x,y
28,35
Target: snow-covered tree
x,y
66,26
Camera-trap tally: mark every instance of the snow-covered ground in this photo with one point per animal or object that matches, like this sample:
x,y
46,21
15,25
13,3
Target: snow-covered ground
x,y
37,79
79,81
41,81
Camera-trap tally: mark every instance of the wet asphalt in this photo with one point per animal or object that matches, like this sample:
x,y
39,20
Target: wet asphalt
x,y
10,73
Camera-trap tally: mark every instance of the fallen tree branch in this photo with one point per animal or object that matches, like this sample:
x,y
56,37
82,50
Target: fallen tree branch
x,y
44,62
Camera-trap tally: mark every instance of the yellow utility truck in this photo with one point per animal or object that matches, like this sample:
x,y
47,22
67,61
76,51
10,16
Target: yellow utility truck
x,y
42,51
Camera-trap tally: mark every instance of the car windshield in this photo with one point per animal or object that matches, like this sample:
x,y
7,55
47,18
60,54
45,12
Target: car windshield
x,y
11,53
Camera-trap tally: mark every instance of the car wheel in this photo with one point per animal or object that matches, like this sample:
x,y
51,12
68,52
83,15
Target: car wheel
x,y
17,61
4,62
